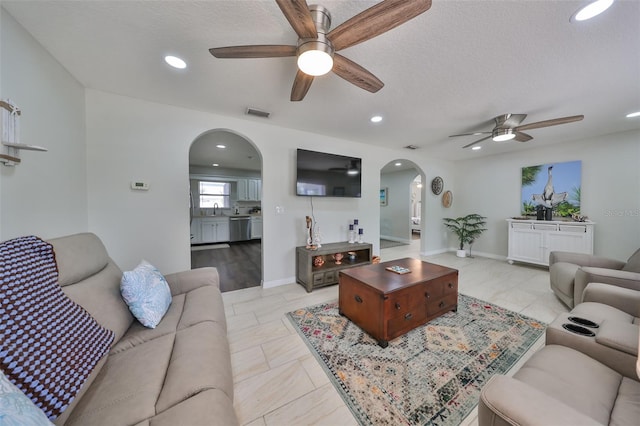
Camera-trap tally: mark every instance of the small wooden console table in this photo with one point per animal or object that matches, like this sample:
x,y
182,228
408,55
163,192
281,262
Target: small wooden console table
x,y
312,273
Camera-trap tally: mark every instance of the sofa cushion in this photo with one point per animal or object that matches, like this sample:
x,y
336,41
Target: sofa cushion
x,y
559,372
126,390
627,408
146,380
202,304
633,264
49,345
147,293
16,408
94,286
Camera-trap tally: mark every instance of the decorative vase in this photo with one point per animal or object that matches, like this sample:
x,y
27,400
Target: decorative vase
x,y
461,253
338,258
318,261
352,256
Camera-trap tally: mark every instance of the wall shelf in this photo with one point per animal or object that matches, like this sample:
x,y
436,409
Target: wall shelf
x,y
10,135
24,146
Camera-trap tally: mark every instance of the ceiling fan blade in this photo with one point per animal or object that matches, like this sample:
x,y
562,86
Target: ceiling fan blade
x,y
298,15
301,86
512,120
254,51
376,20
547,123
522,137
471,134
478,141
355,74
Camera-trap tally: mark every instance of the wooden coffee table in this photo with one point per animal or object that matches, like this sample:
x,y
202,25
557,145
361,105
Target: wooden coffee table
x,y
387,305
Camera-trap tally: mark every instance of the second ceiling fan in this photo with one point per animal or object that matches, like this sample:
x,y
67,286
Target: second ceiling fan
x,y
508,127
319,45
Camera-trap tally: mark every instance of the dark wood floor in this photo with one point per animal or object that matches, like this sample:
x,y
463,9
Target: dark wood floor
x,y
239,265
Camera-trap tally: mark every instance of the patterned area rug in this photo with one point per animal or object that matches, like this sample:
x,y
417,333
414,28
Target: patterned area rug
x,y
430,376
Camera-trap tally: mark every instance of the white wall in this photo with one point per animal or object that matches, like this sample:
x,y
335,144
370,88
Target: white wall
x,y
610,191
46,194
130,139
395,217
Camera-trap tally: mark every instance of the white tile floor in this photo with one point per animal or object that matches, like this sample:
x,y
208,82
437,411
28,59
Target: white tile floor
x,y
277,380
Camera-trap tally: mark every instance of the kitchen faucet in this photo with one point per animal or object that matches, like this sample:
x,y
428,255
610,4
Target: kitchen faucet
x,y
215,206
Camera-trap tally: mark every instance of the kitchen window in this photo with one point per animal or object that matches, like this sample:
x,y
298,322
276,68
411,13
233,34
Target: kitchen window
x,y
212,193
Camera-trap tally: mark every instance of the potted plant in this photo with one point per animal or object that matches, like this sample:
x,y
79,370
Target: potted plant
x,y
467,228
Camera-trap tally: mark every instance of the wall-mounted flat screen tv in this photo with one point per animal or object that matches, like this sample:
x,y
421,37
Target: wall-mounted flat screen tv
x,y
320,174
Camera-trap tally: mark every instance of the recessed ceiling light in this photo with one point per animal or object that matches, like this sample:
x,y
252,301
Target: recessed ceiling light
x,y
376,119
398,164
634,114
476,148
175,62
215,164
221,146
591,10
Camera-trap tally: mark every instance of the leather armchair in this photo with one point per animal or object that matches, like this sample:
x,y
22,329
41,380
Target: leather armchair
x,y
571,272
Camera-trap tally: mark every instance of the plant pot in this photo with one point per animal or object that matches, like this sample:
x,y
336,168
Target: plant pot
x,y
461,253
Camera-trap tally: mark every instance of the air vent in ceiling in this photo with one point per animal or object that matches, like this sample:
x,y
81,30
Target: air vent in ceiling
x,y
257,112
411,147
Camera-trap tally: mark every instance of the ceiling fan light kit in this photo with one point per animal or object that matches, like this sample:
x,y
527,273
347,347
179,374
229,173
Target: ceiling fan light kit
x,y
315,57
502,135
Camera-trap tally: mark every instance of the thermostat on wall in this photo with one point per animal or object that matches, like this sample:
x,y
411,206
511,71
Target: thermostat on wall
x,y
143,186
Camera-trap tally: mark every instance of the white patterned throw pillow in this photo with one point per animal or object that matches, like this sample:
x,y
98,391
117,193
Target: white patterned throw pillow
x,y
147,293
16,409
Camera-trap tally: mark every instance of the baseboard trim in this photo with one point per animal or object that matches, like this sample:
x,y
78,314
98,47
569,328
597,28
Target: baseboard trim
x,y
278,283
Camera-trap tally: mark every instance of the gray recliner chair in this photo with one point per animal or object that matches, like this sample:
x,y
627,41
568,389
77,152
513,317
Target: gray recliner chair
x,y
571,272
576,379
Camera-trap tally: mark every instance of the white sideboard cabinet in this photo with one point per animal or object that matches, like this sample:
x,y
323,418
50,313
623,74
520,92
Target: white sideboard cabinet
x,y
531,241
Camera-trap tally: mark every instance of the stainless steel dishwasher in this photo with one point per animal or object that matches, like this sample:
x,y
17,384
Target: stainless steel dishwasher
x,y
239,228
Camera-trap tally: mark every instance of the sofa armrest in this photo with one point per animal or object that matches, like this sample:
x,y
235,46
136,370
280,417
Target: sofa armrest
x,y
587,274
507,401
625,299
186,281
584,259
619,336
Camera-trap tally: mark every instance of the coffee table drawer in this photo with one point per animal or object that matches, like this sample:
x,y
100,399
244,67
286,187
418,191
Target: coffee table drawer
x,y
401,324
444,304
435,289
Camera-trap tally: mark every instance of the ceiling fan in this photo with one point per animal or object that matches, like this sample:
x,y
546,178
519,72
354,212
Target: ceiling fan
x,y
508,127
317,46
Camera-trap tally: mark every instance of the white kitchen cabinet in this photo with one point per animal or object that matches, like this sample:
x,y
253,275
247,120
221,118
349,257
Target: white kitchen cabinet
x,y
531,241
196,231
255,189
249,189
214,230
256,227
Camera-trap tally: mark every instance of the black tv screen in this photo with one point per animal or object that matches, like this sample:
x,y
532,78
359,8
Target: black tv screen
x,y
321,174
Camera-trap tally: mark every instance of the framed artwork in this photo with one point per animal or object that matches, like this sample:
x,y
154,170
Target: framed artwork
x,y
384,193
552,186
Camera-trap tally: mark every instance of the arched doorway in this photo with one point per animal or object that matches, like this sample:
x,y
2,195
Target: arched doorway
x,y
225,183
401,214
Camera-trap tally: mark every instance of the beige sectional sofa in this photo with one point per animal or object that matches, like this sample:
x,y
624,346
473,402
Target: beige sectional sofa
x,y
176,374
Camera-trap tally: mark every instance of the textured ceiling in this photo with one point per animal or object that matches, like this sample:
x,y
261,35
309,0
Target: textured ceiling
x,y
448,71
